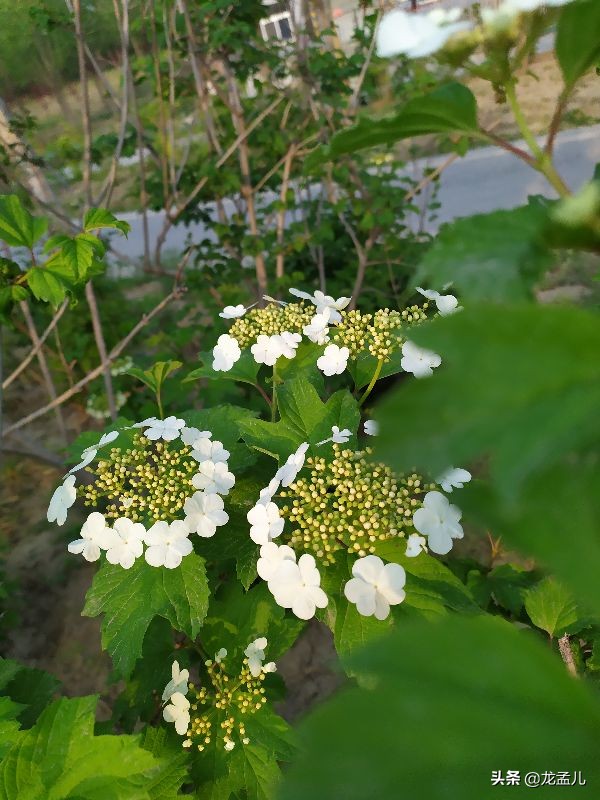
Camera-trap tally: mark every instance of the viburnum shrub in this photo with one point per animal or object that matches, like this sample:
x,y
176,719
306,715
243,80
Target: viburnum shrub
x,y
297,499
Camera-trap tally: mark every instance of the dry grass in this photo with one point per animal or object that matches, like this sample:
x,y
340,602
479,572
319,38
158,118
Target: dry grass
x,y
538,90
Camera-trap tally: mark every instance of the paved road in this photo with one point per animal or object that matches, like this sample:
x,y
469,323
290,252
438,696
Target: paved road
x,y
484,180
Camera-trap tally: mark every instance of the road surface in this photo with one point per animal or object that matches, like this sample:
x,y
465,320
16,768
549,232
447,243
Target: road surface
x,y
484,180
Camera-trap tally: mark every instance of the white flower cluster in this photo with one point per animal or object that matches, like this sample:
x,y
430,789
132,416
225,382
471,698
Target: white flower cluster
x,y
167,542
295,583
420,35
268,349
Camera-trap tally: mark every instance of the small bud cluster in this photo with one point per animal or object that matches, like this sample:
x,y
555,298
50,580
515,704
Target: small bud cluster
x,y
149,480
379,333
228,699
270,321
350,503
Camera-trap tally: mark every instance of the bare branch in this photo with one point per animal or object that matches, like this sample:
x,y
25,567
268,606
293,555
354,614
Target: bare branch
x,y
35,349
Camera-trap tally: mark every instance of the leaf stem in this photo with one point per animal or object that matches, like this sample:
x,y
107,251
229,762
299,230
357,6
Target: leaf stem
x,y
369,388
274,400
542,161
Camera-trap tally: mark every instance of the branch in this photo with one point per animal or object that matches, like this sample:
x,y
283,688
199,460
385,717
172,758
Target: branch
x,y
34,351
564,645
114,353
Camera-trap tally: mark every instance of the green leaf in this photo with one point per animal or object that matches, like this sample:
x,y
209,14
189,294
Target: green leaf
x,y
430,585
510,387
303,411
363,368
156,375
60,757
452,702
164,782
97,218
578,39
276,439
130,599
78,254
495,257
52,281
508,584
551,607
32,688
19,228
244,370
446,109
236,618
9,726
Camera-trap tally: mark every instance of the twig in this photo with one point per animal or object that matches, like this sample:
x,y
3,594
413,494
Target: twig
x,y
90,296
97,371
564,646
34,351
46,374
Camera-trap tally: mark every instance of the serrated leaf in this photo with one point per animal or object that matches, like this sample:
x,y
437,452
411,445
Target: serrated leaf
x,y
58,757
97,218
19,228
552,608
77,254
130,599
303,411
52,281
32,688
446,109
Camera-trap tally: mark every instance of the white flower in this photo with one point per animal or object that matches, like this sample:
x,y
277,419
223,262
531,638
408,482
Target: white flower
x,y
232,312
288,342
271,558
323,302
63,498
95,536
317,329
297,586
204,513
418,360
266,494
415,35
371,427
439,521
213,478
167,544
415,544
334,360
255,653
89,453
145,422
266,522
128,544
267,349
446,304
225,353
453,478
338,436
207,450
375,586
190,436
178,711
178,683
220,655
229,744
286,474
167,429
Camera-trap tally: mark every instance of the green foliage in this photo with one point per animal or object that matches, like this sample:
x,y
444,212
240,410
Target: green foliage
x,y
446,109
552,608
490,257
470,409
60,758
19,228
245,370
30,688
579,22
100,218
130,599
452,702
